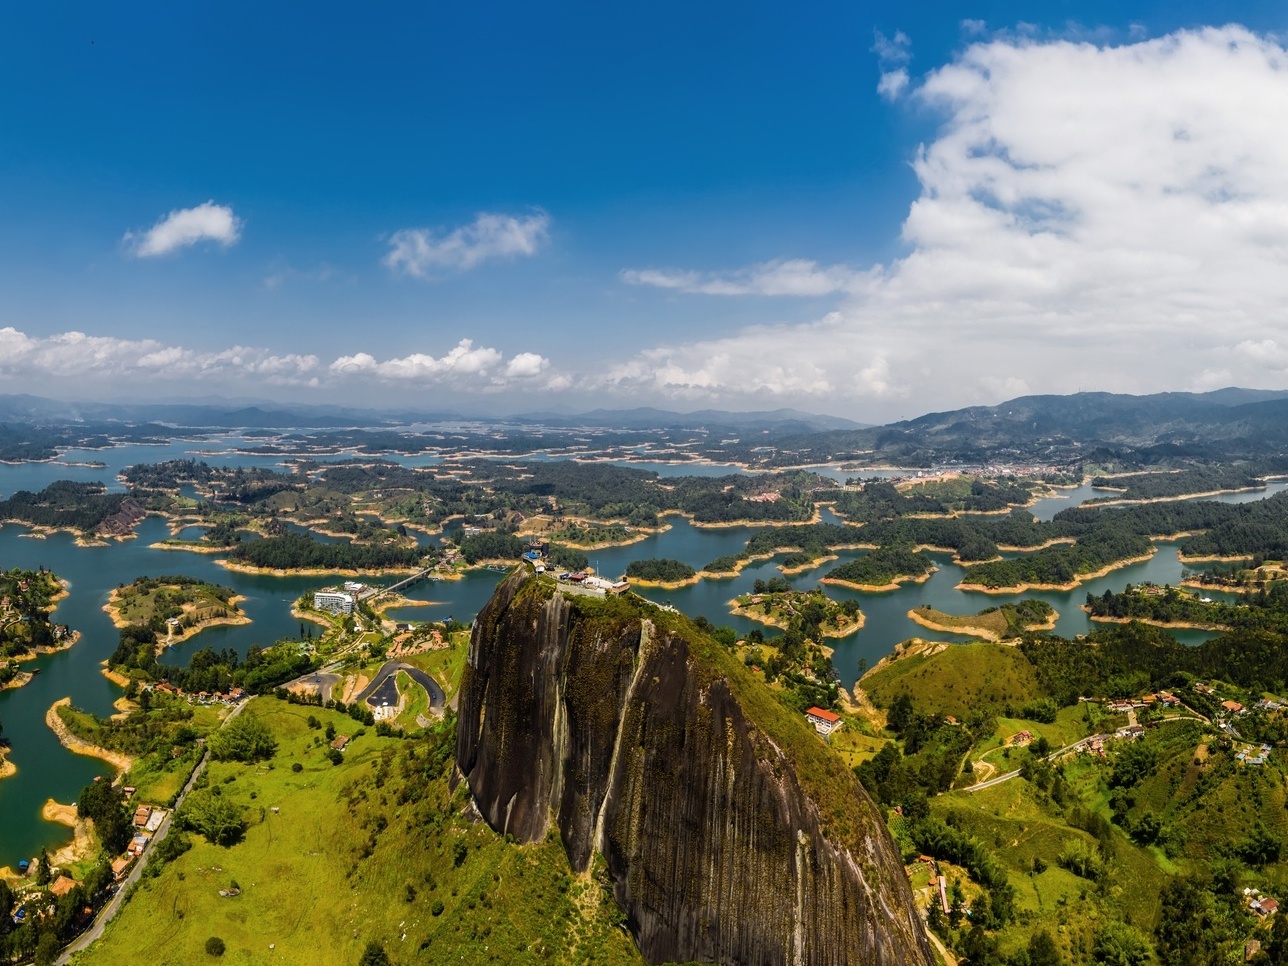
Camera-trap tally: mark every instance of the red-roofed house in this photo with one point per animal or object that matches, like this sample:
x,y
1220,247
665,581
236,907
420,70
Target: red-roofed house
x,y
824,722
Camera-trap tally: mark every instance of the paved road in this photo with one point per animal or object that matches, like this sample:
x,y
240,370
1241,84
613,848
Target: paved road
x,y
436,697
114,904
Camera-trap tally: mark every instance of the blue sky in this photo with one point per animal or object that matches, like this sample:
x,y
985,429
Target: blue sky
x,y
865,209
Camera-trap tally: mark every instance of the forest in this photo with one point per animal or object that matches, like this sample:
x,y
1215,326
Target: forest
x,y
659,570
885,565
298,551
64,505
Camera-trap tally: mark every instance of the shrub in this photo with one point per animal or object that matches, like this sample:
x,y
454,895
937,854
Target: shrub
x,y
214,946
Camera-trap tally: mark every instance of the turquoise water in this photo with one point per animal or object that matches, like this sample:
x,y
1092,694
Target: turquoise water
x,y
47,770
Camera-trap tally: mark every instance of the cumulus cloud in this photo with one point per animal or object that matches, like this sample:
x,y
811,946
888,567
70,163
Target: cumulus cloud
x,y
183,228
90,359
481,367
796,276
419,251
1089,216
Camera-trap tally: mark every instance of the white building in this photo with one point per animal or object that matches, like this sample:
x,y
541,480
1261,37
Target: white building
x,y
336,601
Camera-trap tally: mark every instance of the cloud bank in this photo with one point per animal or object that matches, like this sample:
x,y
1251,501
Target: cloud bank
x,y
418,252
183,228
90,359
1089,216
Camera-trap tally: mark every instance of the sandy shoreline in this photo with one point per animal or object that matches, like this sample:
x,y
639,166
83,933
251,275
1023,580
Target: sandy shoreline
x,y
894,584
1166,625
79,746
313,571
1167,499
917,616
116,677
1077,581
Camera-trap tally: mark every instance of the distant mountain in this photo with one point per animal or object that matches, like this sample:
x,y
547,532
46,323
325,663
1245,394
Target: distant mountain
x,y
648,418
1226,423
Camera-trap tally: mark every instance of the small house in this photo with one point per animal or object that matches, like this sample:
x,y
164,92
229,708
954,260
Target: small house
x,y
62,885
339,742
824,722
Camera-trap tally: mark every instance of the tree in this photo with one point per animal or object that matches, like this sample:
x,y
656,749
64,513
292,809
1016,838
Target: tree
x,y
214,946
1042,950
374,955
1118,944
218,818
246,739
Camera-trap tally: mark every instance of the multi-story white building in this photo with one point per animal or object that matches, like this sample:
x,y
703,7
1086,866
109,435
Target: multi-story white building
x,y
336,601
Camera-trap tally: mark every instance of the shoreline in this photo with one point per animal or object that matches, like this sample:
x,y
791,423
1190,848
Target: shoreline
x,y
116,677
1167,499
894,584
242,568
1077,581
121,762
1165,625
917,616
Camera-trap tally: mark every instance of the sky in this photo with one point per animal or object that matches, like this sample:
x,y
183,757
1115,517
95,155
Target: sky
x,y
871,210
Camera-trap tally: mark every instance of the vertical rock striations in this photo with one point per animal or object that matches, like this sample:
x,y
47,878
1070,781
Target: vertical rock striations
x,y
729,832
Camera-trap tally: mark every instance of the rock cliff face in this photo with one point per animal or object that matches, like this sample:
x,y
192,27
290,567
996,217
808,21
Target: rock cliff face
x,y
729,832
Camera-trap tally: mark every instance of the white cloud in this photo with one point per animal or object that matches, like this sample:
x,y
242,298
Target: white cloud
x,y
1090,216
419,251
526,365
109,360
185,227
893,83
785,277
480,367
893,54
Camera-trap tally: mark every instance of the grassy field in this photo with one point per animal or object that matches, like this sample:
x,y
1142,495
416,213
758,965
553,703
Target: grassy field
x,y
957,680
146,598
416,700
375,848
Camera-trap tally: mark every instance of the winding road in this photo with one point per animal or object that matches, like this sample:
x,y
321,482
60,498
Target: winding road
x,y
437,700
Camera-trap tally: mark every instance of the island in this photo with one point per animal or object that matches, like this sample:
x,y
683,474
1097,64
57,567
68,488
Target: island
x,y
776,604
1008,621
174,607
661,573
882,569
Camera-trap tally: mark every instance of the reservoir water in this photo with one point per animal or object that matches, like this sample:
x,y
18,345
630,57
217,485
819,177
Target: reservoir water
x,y
46,770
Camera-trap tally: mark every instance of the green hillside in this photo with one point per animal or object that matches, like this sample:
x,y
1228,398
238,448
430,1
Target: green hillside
x,y
956,680
376,848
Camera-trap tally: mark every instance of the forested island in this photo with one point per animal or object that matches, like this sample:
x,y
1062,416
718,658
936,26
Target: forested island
x,y
86,509
882,569
301,552
660,572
